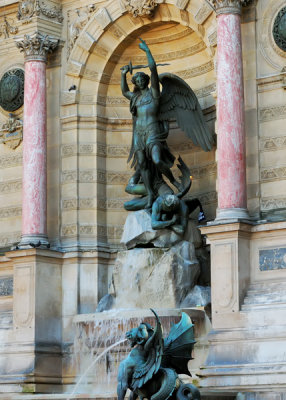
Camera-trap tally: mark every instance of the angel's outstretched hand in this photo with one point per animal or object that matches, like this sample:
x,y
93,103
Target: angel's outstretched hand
x,y
143,45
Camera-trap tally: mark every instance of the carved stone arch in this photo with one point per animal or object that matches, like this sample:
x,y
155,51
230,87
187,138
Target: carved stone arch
x,y
97,116
108,18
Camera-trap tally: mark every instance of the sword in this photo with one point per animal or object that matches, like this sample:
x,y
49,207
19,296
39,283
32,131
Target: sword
x,y
132,67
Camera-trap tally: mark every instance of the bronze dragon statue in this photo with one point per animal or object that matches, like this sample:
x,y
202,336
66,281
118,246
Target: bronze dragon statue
x,y
152,368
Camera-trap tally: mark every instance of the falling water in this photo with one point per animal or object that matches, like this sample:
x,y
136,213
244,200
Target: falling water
x,y
92,364
100,346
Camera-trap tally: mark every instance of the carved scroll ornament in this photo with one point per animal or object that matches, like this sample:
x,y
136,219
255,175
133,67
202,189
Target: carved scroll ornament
x,y
36,46
229,6
11,133
30,8
140,8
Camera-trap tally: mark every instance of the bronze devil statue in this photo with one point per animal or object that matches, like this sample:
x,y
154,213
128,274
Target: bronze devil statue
x,y
152,367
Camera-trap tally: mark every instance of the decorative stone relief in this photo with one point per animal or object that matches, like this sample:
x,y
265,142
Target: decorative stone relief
x,y
272,113
272,203
11,133
9,239
37,46
12,90
140,8
273,173
30,8
6,287
203,13
76,22
272,259
279,29
6,29
14,160
8,212
11,186
229,6
272,143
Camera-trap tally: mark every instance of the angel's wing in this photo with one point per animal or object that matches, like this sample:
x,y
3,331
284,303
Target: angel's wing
x,y
178,346
154,347
180,102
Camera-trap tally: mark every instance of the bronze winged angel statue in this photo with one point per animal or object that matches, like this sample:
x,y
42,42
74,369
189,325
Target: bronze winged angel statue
x,y
152,367
151,110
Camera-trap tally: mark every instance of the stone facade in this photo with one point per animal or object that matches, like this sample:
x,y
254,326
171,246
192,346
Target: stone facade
x,y
88,133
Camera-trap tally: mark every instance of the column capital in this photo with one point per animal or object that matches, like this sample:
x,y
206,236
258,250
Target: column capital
x,y
229,6
36,46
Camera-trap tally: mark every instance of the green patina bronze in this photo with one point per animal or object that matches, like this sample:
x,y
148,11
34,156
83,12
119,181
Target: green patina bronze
x,y
152,367
279,29
12,90
152,109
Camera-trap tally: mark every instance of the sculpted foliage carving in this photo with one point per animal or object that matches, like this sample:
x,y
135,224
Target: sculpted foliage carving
x,y
36,46
76,22
6,29
140,8
11,132
30,8
229,6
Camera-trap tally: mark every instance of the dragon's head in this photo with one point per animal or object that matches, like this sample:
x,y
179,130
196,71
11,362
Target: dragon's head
x,y
139,335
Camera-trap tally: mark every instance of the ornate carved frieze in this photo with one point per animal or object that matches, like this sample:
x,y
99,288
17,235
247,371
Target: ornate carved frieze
x,y
27,9
11,186
11,133
97,230
229,6
76,22
272,203
12,90
272,113
9,212
140,8
13,160
273,173
36,46
273,143
6,29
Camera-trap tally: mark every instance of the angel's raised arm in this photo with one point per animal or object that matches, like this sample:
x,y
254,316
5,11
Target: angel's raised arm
x,y
155,86
124,85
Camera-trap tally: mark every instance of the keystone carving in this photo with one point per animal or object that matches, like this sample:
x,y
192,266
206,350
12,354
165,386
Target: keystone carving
x,y
140,8
36,46
229,6
30,8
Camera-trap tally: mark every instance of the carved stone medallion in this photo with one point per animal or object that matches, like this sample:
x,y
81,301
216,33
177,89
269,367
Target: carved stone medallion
x,y
12,90
11,133
140,8
279,29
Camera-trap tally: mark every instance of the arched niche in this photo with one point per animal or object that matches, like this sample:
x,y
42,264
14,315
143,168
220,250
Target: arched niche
x,y
183,38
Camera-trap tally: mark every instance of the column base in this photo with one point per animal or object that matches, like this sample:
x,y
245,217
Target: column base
x,y
231,214
33,240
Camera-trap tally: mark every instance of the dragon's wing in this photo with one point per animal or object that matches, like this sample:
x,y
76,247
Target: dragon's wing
x,y
178,346
180,102
154,348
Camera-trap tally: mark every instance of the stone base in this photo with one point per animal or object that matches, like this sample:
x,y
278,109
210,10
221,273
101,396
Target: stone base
x,y
231,214
154,278
33,241
248,338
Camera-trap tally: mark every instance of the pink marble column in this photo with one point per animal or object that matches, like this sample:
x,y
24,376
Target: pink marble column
x,y
232,199
34,192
